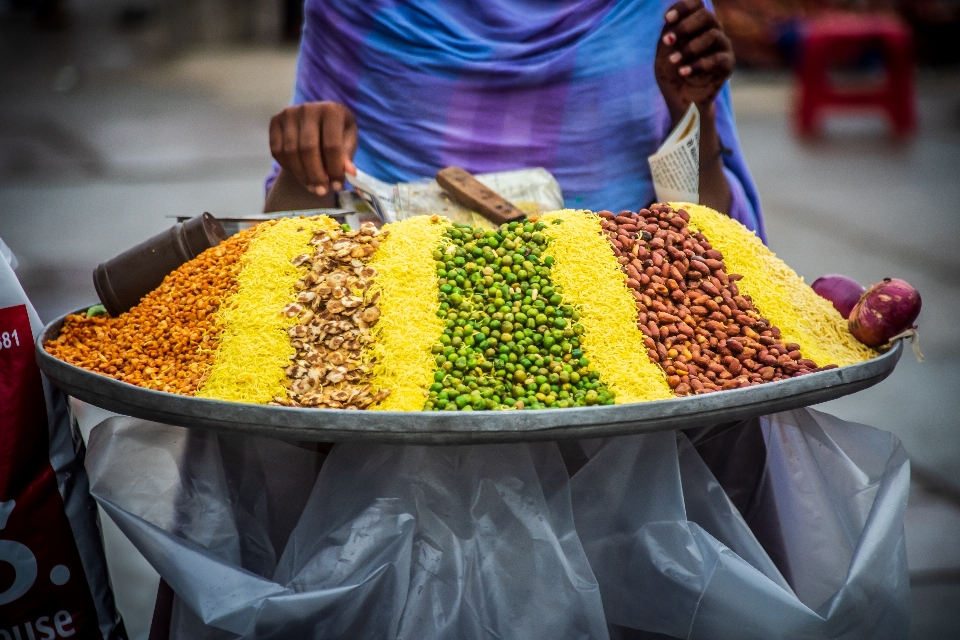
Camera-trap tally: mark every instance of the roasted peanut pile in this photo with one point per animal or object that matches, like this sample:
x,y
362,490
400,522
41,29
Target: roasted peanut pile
x,y
334,315
169,340
697,326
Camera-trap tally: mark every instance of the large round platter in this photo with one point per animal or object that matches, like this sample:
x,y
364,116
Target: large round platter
x,y
428,427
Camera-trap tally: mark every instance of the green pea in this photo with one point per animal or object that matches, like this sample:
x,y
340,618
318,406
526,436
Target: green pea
x,y
560,323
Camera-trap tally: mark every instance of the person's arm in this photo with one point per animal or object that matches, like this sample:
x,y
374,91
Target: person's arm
x,y
694,59
314,145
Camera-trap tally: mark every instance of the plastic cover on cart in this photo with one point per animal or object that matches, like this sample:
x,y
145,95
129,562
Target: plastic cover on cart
x,y
53,573
787,526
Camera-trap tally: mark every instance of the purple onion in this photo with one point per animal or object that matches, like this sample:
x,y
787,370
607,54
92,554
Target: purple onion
x,y
887,309
842,291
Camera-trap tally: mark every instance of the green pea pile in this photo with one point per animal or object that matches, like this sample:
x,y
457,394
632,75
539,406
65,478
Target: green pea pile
x,y
510,341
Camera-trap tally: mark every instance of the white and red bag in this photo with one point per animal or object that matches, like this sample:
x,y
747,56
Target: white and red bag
x,y
53,573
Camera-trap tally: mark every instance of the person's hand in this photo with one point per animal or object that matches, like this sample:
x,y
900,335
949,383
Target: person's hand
x,y
694,57
315,142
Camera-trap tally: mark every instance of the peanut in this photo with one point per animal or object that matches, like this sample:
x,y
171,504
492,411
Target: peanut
x,y
695,323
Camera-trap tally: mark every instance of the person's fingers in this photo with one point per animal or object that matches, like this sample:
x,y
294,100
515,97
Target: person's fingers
x,y
719,64
291,143
276,139
315,142
707,42
351,136
680,10
333,148
351,133
309,147
691,26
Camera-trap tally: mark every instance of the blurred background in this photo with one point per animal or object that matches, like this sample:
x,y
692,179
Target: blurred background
x,y
118,115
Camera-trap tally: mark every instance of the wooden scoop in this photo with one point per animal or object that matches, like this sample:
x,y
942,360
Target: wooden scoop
x,y
471,193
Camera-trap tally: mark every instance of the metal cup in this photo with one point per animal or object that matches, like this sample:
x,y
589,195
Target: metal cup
x,y
122,281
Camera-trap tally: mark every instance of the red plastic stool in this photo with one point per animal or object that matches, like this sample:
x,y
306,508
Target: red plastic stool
x,y
836,38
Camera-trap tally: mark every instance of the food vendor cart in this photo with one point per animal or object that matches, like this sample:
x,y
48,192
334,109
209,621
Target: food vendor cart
x,y
698,516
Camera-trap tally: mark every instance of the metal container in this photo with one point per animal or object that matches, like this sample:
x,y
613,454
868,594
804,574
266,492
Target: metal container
x,y
443,427
122,281
232,226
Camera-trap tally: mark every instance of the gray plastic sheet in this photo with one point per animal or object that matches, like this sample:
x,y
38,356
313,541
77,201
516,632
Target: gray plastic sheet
x,y
787,526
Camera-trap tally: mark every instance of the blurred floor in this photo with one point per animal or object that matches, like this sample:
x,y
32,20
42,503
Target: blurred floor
x,y
102,139
857,202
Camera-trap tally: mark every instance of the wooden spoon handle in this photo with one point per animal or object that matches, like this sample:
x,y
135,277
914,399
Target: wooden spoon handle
x,y
470,193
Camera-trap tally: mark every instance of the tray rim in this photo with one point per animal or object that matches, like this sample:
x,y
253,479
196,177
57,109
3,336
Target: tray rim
x,y
439,427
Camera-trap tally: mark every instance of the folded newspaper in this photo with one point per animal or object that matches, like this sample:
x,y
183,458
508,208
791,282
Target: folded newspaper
x,y
675,166
531,190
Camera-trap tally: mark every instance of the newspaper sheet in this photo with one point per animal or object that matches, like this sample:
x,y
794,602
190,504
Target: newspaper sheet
x,y
675,166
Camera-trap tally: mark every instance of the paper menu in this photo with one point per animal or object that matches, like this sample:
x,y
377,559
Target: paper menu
x,y
675,166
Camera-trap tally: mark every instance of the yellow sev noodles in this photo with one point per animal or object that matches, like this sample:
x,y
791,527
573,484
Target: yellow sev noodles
x,y
778,292
593,283
254,346
408,326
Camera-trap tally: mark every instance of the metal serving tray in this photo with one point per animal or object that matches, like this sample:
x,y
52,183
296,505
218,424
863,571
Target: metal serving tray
x,y
440,427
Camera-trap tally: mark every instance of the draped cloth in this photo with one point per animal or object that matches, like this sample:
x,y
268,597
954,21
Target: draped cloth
x,y
506,84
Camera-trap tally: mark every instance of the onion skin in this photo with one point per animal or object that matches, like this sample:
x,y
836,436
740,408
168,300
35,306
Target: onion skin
x,y
887,308
842,291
